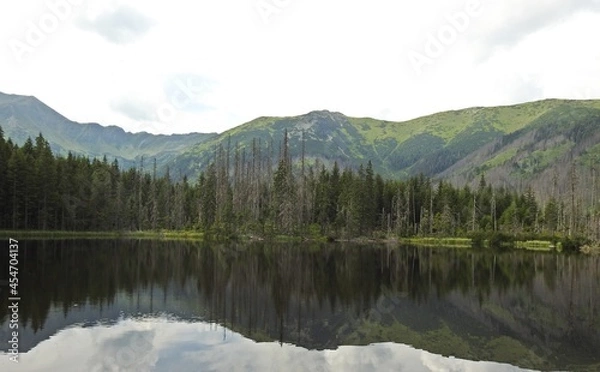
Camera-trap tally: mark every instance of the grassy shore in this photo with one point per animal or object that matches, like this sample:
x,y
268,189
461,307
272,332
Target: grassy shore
x,y
530,245
449,242
44,234
535,245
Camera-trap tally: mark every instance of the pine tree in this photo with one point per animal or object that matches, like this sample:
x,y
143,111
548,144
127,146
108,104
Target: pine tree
x,y
551,215
284,193
154,199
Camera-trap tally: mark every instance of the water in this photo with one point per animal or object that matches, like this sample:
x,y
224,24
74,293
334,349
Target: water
x,y
146,305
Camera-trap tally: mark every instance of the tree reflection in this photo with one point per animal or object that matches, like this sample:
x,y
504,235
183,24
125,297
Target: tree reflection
x,y
321,296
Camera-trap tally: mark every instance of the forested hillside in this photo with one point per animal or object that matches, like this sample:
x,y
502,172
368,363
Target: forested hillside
x,y
243,192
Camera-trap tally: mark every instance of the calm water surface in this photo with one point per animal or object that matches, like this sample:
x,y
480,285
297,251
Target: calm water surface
x,y
129,305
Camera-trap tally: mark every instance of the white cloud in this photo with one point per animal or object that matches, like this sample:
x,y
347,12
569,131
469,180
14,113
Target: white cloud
x,y
122,25
346,56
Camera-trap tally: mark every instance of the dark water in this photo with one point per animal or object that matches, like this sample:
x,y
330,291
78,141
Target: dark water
x,y
109,305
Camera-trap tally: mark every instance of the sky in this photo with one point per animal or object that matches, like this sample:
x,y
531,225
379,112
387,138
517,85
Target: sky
x,y
183,66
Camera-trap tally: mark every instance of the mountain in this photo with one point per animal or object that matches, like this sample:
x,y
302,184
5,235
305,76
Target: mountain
x,y
540,154
530,144
24,116
515,144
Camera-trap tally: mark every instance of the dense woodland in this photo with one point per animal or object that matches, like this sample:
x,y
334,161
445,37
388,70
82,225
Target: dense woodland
x,y
242,191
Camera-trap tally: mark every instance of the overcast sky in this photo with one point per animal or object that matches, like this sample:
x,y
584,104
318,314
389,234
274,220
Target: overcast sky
x,y
183,66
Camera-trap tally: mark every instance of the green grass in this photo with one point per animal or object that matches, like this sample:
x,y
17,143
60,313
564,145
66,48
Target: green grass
x,y
540,159
47,234
447,125
535,245
258,123
531,245
501,158
160,234
438,242
372,130
448,242
509,119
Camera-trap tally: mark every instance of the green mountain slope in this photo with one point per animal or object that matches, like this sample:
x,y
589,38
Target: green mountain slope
x,y
526,144
22,117
453,144
542,153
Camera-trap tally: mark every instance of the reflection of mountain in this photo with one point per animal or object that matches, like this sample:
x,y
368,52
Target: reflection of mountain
x,y
533,310
157,344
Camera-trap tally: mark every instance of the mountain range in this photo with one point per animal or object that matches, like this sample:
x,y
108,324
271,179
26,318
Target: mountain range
x,y
531,143
23,117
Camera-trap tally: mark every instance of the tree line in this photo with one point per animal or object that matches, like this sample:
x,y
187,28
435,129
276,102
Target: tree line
x,y
243,191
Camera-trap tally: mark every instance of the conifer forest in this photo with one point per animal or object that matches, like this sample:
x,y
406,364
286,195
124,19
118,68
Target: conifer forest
x,y
243,191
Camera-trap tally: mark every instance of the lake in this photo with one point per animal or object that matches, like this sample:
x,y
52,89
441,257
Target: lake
x,y
155,305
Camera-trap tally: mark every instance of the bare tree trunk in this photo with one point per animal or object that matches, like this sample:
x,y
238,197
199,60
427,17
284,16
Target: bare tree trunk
x,y
573,184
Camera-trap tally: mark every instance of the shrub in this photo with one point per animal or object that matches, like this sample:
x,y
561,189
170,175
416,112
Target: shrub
x,y
501,241
477,240
573,244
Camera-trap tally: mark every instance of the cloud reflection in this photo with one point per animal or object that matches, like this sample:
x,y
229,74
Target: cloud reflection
x,y
161,344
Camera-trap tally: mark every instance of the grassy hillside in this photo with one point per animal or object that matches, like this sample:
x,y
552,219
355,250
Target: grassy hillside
x,y
540,154
449,144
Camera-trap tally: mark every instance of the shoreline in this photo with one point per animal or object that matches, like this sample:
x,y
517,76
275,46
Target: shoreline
x,y
541,245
